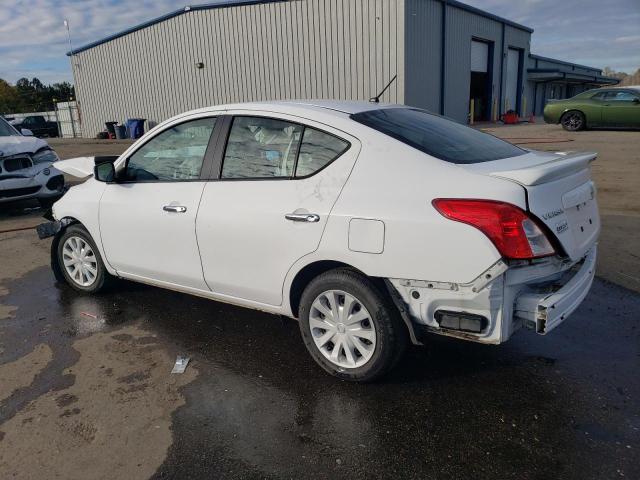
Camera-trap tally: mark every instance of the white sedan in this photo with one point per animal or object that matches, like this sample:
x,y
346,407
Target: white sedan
x,y
371,224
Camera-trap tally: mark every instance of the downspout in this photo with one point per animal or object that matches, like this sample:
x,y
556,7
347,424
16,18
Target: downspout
x,y
443,55
500,99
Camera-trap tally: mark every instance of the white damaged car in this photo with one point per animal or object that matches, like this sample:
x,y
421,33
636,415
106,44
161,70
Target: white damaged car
x,y
26,168
373,225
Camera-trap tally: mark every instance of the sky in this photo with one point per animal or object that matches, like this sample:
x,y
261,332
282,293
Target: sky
x,y
33,39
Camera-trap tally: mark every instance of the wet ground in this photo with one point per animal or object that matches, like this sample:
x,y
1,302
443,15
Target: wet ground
x,y
562,406
86,390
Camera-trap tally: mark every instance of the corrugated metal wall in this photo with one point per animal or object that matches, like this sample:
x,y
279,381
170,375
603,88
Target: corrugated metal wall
x,y
423,47
424,55
344,49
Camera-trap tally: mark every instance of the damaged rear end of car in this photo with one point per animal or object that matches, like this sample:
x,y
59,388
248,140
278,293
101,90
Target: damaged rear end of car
x,y
548,252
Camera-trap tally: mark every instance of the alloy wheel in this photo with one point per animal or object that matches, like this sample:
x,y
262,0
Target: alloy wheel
x,y
79,261
572,121
342,329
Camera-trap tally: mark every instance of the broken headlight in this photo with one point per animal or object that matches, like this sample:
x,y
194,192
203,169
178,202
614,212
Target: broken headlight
x,y
46,155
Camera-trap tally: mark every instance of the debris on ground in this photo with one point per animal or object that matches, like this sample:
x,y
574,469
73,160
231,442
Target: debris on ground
x,y
181,364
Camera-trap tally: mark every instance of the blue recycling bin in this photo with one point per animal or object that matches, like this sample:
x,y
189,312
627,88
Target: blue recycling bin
x,y
135,127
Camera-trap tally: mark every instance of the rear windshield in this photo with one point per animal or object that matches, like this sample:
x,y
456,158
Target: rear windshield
x,y
437,136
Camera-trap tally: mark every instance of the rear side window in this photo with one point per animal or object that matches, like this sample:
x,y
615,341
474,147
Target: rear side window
x,y
318,149
437,136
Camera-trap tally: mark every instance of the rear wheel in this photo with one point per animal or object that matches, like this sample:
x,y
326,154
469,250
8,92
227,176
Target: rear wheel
x,y
573,121
80,262
350,327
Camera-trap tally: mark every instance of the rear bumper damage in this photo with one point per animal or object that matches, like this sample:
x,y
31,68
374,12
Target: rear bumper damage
x,y
538,295
544,308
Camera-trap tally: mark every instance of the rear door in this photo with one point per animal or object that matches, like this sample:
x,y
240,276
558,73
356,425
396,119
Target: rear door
x,y
267,206
148,218
621,109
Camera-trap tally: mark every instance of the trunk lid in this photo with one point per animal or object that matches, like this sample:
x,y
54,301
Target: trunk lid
x,y
559,191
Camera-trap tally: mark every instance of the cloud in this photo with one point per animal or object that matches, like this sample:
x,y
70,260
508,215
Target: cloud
x,y
33,39
582,31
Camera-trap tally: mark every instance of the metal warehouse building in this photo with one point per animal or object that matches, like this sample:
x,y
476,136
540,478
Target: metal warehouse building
x,y
446,55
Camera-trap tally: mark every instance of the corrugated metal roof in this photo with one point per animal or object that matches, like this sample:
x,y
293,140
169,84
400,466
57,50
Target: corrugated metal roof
x,y
562,62
234,3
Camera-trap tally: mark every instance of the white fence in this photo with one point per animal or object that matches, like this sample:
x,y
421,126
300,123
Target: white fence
x,y
66,115
68,118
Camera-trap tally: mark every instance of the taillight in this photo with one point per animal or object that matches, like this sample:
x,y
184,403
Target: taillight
x,y
512,231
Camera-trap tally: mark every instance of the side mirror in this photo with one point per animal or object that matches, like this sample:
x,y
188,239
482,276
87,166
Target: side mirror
x,y
104,172
26,132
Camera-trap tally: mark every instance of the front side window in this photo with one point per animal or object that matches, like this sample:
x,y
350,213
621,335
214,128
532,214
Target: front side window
x,y
176,154
600,95
438,136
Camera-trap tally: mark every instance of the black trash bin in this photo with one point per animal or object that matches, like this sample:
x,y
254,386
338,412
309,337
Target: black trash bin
x,y
121,132
111,128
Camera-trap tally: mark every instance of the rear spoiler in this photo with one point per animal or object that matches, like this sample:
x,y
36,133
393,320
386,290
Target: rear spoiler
x,y
563,165
82,167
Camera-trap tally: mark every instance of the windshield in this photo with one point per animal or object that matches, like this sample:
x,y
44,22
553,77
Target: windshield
x,y
6,130
438,136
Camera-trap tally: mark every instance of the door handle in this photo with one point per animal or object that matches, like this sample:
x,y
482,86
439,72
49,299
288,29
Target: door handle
x,y
303,217
174,208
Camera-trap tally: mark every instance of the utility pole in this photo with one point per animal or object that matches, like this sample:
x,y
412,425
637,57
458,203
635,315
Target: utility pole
x,y
66,25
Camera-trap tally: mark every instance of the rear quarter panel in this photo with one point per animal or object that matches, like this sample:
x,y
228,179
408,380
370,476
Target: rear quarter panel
x,y
395,184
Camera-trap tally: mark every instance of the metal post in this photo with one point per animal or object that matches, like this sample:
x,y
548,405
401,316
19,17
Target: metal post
x,y
73,127
55,110
471,111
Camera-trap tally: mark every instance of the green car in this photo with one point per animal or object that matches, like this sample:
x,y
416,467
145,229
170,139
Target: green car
x,y
603,107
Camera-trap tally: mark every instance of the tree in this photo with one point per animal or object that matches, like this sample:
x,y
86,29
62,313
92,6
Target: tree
x,y
9,99
32,95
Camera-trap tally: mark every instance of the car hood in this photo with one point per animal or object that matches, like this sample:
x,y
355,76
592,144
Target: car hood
x,y
14,144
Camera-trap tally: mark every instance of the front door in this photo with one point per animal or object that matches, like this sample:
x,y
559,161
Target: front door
x,y
277,183
147,218
621,109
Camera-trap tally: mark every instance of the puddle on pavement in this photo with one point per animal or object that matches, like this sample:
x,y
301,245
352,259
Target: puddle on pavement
x,y
260,407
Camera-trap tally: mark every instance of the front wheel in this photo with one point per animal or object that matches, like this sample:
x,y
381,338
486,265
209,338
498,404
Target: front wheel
x,y
573,121
350,327
80,262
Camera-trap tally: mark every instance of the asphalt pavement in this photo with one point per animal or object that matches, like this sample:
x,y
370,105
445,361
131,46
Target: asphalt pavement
x,y
561,406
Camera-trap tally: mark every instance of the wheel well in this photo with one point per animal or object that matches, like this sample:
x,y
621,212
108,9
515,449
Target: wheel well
x,y
304,277
66,221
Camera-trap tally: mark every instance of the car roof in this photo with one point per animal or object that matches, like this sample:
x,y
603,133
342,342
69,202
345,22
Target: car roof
x,y
627,87
335,107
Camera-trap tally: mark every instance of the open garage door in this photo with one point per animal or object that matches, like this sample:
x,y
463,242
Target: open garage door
x,y
480,84
512,91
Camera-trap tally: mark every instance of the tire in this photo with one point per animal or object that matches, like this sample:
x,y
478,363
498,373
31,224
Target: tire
x,y
87,280
573,121
375,320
